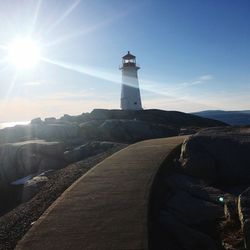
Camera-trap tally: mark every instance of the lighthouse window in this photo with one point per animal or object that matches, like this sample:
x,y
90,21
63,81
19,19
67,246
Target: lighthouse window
x,y
135,103
129,61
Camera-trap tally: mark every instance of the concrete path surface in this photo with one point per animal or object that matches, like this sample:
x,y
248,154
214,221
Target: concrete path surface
x,y
106,209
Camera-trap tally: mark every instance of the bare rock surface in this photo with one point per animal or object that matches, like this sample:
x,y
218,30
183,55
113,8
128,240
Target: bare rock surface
x,y
23,158
134,130
187,237
196,187
204,193
244,215
114,125
192,210
87,150
32,187
40,130
218,155
170,118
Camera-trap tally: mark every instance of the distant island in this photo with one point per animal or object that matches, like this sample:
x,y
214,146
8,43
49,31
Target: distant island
x,y
230,117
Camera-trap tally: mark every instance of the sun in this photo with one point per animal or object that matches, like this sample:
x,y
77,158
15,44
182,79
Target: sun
x,y
23,53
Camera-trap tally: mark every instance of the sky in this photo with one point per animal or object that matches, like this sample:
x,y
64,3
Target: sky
x,y
194,55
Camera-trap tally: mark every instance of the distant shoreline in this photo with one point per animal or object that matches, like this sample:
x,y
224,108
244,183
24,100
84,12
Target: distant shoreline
x,y
12,124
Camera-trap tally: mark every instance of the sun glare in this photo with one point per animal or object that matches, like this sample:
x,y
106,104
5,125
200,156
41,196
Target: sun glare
x,y
23,53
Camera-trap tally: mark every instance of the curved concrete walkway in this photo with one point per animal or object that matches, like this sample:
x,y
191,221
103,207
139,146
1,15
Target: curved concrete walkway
x,y
107,208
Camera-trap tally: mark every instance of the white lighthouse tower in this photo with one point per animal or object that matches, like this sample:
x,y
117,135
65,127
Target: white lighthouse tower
x,y
130,93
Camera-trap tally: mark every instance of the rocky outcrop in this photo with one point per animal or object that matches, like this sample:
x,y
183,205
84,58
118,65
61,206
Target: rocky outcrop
x,y
24,158
37,130
54,131
32,187
15,134
218,155
169,118
191,210
187,211
133,130
196,188
201,193
114,125
126,131
37,120
90,130
130,126
231,209
87,150
186,237
244,215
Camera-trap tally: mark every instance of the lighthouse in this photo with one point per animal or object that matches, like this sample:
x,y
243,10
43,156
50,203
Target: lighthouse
x,y
130,92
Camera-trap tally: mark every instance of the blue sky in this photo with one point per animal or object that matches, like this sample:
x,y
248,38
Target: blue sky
x,y
193,54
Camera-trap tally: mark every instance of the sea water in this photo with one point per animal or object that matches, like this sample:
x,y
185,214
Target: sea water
x,y
12,124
